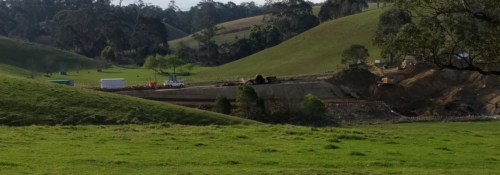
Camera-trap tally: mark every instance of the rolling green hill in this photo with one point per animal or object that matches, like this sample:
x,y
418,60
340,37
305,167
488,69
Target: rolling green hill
x,y
315,51
27,102
18,55
238,29
230,30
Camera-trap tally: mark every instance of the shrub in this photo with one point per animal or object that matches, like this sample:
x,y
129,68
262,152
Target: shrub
x,y
222,105
314,108
249,103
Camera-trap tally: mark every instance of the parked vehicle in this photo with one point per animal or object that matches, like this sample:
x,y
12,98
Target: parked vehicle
x,y
173,83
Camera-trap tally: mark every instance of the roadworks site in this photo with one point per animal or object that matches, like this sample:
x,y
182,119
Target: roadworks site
x,y
423,94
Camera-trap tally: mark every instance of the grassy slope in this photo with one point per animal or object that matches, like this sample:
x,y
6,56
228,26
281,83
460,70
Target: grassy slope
x,y
29,55
418,148
25,102
238,29
315,51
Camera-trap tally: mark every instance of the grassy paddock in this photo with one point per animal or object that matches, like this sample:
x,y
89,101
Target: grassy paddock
x,y
418,148
133,76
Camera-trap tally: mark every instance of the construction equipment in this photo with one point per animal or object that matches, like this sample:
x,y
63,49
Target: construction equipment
x,y
383,79
259,79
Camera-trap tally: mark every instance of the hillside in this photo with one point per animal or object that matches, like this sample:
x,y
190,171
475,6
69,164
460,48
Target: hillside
x,y
230,30
238,29
27,102
30,56
315,51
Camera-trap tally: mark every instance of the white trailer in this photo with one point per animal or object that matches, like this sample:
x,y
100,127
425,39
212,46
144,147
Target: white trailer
x,y
115,83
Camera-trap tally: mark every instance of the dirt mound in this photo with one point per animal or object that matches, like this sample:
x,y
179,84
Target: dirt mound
x,y
355,83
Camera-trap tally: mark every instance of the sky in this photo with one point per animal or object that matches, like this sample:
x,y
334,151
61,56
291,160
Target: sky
x,y
186,4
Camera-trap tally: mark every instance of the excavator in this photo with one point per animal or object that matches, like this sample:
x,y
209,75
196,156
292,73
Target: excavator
x,y
407,67
383,79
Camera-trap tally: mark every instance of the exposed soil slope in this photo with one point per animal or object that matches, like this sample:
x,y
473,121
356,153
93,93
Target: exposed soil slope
x,y
428,91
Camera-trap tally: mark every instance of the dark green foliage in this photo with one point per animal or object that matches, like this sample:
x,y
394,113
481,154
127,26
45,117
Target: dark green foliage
x,y
355,54
222,105
292,17
249,103
391,21
461,35
149,37
333,9
134,31
314,108
108,54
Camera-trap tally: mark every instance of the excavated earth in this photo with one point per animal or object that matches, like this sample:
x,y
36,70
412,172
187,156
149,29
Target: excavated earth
x,y
427,91
353,95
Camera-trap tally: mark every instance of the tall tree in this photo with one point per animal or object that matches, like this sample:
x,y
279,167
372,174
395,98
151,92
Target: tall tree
x,y
205,20
292,17
149,37
355,54
461,35
332,9
390,22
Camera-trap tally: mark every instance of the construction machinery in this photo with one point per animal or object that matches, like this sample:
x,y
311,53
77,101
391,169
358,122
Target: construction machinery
x,y
383,79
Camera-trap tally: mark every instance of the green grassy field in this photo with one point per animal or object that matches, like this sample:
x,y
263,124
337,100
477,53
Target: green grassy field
x,y
32,56
419,148
133,76
315,51
26,102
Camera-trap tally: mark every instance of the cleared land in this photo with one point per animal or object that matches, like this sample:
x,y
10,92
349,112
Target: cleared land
x,y
315,51
26,102
419,148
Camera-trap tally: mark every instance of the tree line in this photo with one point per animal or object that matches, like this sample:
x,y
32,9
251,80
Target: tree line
x,y
88,26
136,31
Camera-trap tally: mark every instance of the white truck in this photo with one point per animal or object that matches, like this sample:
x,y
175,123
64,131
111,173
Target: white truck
x,y
115,83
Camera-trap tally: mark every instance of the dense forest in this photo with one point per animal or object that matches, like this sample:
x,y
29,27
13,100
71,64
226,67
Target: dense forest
x,y
135,31
88,26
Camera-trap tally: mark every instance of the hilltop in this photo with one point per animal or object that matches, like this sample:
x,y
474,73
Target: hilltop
x,y
317,50
28,102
